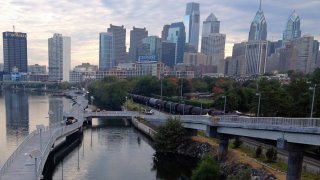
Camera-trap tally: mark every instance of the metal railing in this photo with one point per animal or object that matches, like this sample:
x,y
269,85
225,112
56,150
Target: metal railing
x,y
16,152
272,121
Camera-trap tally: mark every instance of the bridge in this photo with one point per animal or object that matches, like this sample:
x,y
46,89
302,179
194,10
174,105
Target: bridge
x,y
292,134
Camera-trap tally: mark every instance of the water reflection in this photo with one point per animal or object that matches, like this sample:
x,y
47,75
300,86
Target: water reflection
x,y
55,109
113,150
17,115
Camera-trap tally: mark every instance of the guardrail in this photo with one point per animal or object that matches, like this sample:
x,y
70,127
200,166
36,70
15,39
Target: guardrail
x,y
16,152
273,121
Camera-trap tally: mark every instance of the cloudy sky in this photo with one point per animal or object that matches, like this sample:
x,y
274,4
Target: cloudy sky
x,y
84,19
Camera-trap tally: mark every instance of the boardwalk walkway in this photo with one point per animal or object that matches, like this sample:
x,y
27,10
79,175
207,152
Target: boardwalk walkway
x,y
21,164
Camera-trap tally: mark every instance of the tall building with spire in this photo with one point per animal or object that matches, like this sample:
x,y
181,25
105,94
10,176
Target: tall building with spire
x,y
292,30
192,24
258,28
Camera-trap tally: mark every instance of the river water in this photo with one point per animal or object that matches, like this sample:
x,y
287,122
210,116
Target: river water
x,y
110,149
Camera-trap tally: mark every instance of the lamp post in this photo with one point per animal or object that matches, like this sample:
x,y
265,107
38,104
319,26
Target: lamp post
x,y
126,103
313,95
161,81
40,128
92,98
225,103
258,110
201,108
183,108
35,154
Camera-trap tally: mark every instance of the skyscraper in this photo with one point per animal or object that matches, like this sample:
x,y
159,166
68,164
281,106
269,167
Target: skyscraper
x,y
256,56
119,42
106,51
164,33
15,51
168,53
151,48
213,43
192,24
59,48
177,34
136,36
258,29
292,30
210,25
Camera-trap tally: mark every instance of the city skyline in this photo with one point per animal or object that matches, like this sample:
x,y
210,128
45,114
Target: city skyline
x,y
84,20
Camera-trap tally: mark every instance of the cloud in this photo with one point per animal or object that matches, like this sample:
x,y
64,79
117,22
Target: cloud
x,y
83,20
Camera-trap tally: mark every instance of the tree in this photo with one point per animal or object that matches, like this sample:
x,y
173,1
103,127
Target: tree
x,y
207,169
169,136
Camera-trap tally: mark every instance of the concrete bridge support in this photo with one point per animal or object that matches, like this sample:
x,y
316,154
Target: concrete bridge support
x,y
223,146
295,157
295,160
191,132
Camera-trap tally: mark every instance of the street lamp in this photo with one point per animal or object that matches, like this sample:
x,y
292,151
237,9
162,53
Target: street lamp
x,y
92,98
35,154
40,128
225,103
313,95
161,80
258,111
183,108
126,103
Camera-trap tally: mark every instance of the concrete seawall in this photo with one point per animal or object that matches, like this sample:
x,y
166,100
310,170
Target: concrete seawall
x,y
144,128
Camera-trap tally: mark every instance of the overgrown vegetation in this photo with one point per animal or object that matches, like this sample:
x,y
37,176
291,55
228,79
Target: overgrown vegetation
x,y
237,143
271,155
169,136
207,169
258,151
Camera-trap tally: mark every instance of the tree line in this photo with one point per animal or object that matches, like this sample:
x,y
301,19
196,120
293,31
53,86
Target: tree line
x,y
283,99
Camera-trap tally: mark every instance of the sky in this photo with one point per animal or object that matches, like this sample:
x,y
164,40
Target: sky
x,y
82,20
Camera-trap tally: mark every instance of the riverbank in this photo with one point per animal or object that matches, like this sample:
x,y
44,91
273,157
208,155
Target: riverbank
x,y
236,165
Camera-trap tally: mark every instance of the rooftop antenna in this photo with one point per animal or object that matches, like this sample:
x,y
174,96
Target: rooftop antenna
x,y
260,6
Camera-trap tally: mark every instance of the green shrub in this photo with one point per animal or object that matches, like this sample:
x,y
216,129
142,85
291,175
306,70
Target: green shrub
x,y
258,151
169,136
271,155
207,169
237,143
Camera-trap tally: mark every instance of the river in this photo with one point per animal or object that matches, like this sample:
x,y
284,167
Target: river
x,y
110,149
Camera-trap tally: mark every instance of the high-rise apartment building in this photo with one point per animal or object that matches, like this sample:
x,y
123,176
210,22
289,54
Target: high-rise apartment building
x,y
59,48
258,28
106,51
192,24
136,36
292,30
177,34
15,51
119,42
